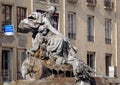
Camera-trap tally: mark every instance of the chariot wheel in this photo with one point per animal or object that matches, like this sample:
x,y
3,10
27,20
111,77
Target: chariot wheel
x,y
32,68
38,68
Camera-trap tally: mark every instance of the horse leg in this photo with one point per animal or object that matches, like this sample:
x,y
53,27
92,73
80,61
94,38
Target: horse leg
x,y
75,64
36,44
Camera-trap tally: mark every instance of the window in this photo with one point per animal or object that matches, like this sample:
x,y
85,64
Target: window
x,y
6,65
91,2
21,14
71,25
108,4
108,31
55,1
91,59
7,14
21,57
42,0
72,1
108,60
90,28
54,20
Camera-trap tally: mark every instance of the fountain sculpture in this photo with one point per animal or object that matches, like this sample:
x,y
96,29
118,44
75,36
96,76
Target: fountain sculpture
x,y
50,49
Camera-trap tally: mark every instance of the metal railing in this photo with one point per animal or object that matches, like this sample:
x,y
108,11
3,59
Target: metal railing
x,y
6,75
90,38
72,35
107,41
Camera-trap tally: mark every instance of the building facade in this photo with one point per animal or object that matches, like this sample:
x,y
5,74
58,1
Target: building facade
x,y
13,47
91,25
118,36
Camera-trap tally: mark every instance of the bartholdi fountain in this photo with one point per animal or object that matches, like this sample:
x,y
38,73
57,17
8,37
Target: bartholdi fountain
x,y
51,51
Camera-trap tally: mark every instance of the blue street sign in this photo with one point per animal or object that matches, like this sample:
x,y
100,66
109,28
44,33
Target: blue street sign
x,y
9,29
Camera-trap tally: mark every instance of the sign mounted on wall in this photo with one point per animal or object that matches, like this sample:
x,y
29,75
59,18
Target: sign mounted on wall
x,y
9,29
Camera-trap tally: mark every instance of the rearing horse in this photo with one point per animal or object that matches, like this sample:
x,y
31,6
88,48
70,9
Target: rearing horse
x,y
56,45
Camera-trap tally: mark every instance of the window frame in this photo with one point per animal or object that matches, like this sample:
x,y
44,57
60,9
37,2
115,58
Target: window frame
x,y
21,14
91,2
90,28
108,62
108,31
20,60
72,25
43,0
107,3
6,71
91,55
9,14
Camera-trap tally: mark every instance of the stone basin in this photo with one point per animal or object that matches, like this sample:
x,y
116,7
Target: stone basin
x,y
65,81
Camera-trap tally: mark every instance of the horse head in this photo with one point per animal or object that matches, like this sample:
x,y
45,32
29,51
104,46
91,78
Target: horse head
x,y
31,23
35,20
